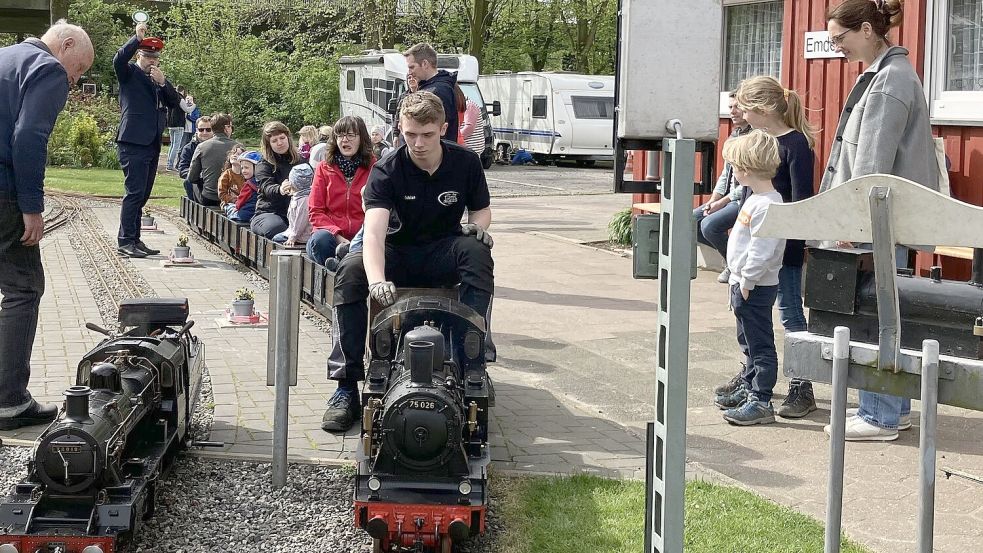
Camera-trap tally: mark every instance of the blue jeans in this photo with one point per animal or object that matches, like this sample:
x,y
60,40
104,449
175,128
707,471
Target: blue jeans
x,y
712,229
756,336
790,298
881,409
139,165
174,151
21,284
321,246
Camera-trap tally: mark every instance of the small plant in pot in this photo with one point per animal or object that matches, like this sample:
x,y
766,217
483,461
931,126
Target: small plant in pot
x,y
146,220
181,250
242,306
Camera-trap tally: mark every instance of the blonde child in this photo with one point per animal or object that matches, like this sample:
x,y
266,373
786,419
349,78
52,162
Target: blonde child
x,y
754,264
307,138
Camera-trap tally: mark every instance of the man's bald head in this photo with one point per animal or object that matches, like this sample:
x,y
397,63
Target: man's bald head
x,y
71,45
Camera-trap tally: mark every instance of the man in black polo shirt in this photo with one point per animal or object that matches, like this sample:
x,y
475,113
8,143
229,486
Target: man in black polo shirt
x,y
413,236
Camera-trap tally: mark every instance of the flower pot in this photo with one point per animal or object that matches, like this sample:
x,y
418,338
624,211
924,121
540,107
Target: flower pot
x,y
147,221
242,308
181,252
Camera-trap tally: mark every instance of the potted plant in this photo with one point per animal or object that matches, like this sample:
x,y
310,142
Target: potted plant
x,y
146,220
242,306
181,250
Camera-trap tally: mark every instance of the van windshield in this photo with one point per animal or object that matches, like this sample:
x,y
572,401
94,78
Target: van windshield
x,y
471,91
593,107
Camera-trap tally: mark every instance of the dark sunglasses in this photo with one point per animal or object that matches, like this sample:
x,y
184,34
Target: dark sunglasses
x,y
204,129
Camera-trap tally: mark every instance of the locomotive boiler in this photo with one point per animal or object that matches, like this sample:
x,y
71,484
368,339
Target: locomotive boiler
x,y
423,457
94,472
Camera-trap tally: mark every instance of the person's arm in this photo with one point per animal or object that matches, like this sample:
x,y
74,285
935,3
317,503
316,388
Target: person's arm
x,y
266,180
317,203
374,244
881,128
44,98
720,189
482,218
121,61
761,253
801,169
184,162
186,106
470,120
194,173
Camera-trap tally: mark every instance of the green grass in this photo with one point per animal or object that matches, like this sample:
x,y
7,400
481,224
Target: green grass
x,y
168,188
594,515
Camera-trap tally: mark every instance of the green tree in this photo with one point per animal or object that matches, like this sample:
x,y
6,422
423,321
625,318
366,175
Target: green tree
x,y
584,19
109,26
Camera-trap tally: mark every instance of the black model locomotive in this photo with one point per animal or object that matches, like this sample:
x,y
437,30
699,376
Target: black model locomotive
x,y
94,471
423,458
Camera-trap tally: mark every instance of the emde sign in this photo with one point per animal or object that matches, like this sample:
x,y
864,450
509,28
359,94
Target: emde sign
x,y
818,45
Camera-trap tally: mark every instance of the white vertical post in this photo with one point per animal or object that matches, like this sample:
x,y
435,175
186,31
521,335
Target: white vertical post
x,y
837,438
282,337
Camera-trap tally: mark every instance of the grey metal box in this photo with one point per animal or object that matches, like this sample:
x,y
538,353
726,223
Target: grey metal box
x,y
830,278
645,246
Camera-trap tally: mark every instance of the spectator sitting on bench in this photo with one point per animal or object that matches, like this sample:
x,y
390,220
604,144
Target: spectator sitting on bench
x,y
245,206
298,219
715,218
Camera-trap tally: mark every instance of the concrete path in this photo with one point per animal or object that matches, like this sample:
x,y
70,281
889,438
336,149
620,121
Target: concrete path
x,y
575,336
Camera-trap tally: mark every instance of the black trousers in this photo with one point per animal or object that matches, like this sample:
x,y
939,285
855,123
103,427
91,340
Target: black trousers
x,y
449,261
139,165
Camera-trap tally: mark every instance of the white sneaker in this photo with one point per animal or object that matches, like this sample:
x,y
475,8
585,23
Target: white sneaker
x,y
904,423
859,430
724,276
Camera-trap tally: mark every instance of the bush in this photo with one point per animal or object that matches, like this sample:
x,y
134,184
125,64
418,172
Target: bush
x,y
619,229
84,134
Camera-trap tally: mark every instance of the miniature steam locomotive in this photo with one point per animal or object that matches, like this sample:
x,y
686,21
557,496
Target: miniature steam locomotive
x,y
422,461
94,471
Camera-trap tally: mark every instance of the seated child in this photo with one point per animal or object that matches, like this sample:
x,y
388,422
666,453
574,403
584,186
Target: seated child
x,y
298,188
245,206
754,263
230,182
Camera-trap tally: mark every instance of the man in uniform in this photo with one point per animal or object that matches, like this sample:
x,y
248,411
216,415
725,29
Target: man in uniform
x,y
423,187
34,79
145,95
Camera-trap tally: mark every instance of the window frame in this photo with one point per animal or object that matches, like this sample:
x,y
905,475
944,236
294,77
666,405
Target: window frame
x,y
350,80
608,101
960,108
723,107
546,104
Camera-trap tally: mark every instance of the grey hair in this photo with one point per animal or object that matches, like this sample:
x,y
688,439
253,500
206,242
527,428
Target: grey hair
x,y
62,29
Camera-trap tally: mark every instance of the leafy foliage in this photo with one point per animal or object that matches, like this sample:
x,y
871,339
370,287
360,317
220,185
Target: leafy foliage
x,y
245,294
619,229
84,133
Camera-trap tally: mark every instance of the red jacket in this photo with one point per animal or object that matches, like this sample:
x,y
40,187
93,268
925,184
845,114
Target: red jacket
x,y
334,205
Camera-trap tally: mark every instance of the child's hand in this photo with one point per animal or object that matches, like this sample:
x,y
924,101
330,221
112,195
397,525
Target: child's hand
x,y
290,243
745,293
286,188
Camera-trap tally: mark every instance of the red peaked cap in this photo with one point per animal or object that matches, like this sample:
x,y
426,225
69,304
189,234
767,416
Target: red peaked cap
x,y
152,45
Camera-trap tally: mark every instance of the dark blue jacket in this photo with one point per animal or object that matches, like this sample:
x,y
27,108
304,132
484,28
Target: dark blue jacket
x,y
143,104
33,90
184,161
442,84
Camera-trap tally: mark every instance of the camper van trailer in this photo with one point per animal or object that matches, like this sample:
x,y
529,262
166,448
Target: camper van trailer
x,y
553,115
370,81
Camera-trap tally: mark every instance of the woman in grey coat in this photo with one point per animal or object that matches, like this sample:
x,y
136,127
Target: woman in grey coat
x,y
884,128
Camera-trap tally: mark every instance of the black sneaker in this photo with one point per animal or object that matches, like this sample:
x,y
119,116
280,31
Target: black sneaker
x,y
735,399
130,250
732,385
35,414
146,249
344,409
799,402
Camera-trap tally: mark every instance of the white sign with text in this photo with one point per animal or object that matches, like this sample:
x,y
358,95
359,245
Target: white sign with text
x,y
818,45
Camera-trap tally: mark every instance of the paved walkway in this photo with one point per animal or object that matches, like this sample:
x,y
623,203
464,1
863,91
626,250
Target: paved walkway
x,y
576,342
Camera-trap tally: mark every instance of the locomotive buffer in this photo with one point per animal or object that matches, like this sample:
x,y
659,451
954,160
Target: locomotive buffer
x,y
890,315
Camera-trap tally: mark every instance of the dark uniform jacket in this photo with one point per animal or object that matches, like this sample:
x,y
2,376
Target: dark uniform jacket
x,y
33,90
143,104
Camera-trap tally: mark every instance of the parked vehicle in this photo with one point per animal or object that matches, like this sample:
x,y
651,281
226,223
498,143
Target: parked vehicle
x,y
552,115
371,81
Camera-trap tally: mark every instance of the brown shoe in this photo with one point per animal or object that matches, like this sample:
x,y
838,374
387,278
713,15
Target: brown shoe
x,y
33,415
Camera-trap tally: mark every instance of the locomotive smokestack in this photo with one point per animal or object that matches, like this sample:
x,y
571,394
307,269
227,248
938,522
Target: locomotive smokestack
x,y
419,359
77,403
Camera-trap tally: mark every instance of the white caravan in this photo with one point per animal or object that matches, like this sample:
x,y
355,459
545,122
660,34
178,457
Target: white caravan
x,y
553,115
370,81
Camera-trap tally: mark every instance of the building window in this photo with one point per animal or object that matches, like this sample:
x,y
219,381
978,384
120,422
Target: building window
x,y
539,107
350,80
956,72
753,41
752,44
593,107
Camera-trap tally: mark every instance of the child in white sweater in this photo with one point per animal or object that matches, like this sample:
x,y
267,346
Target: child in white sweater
x,y
754,263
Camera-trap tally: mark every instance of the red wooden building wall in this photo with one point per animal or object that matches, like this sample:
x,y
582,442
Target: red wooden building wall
x,y
824,85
